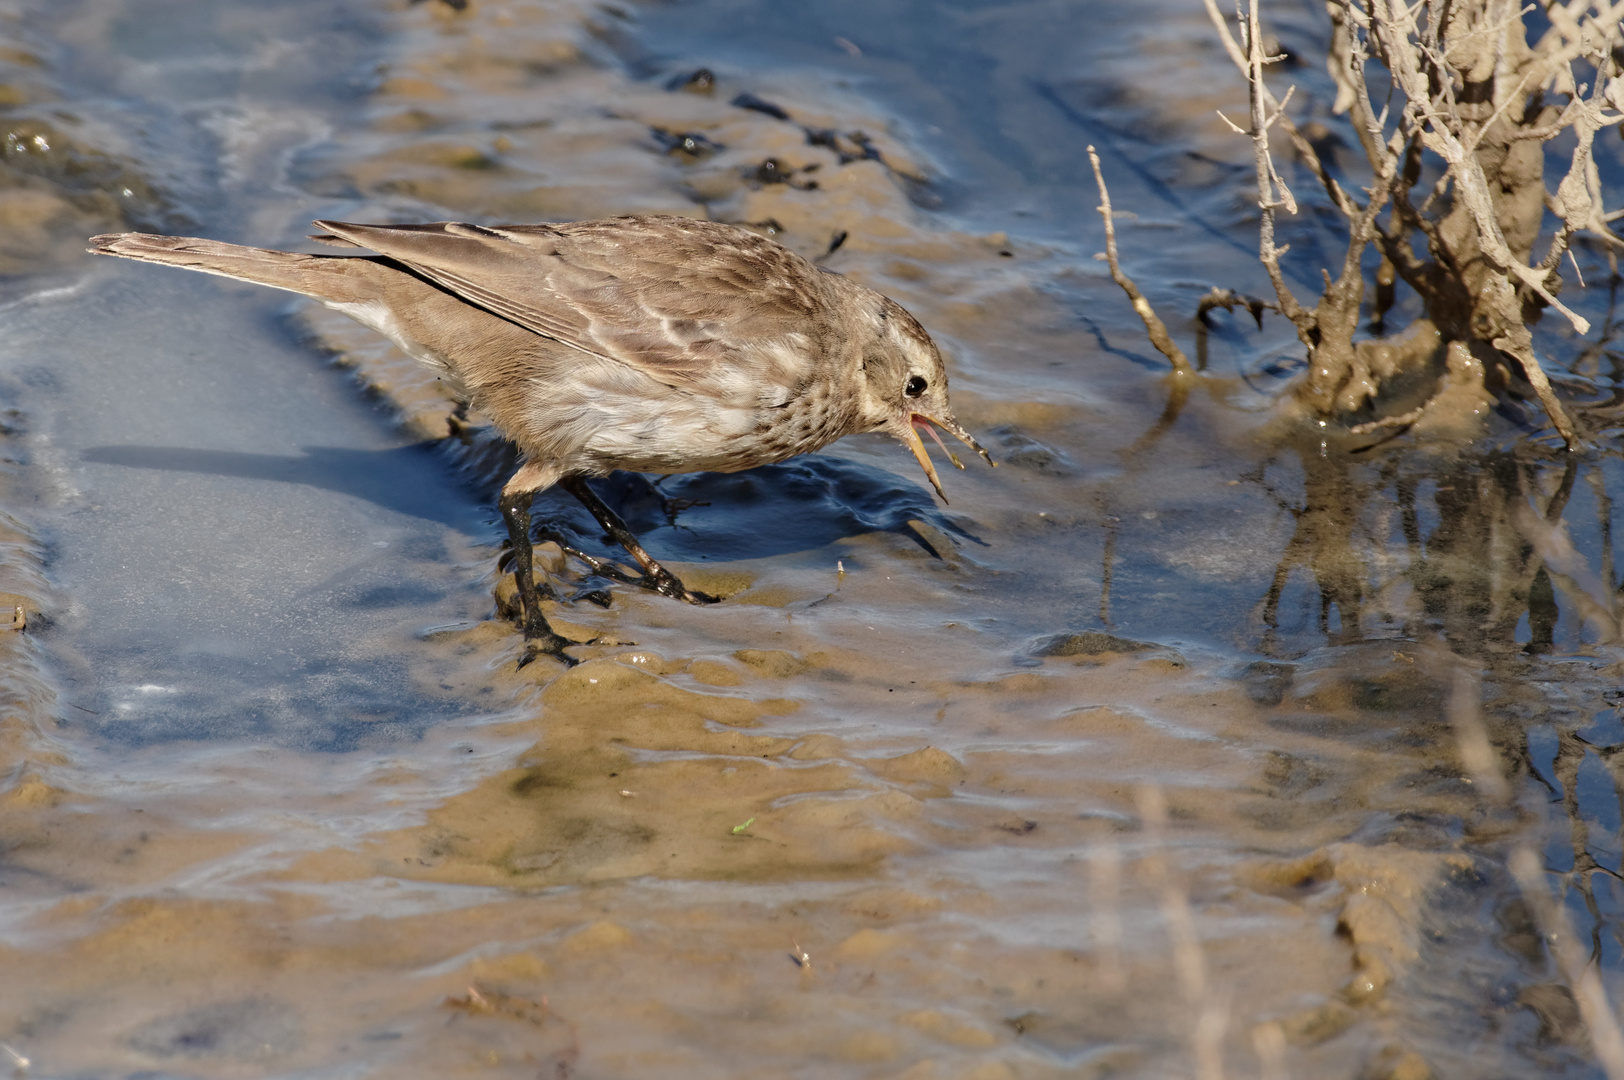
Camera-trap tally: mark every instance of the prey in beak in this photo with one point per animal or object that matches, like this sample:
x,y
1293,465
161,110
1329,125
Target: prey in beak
x,y
915,422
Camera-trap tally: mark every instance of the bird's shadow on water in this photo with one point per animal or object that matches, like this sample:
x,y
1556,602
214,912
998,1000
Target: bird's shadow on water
x,y
142,692
392,479
799,505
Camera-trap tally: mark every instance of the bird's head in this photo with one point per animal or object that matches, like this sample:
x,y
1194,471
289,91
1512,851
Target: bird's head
x,y
904,387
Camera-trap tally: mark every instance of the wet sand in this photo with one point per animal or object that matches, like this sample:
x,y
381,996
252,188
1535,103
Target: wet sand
x,y
275,799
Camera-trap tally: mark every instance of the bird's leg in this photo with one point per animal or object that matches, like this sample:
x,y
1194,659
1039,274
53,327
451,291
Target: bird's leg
x,y
515,506
658,577
601,567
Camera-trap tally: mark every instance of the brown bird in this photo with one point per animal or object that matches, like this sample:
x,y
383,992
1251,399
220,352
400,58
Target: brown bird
x,y
654,344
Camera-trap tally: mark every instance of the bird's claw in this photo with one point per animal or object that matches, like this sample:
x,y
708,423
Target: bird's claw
x,y
542,640
664,582
550,645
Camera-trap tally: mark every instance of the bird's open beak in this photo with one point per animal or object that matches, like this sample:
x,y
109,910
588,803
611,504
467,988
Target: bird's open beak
x,y
917,422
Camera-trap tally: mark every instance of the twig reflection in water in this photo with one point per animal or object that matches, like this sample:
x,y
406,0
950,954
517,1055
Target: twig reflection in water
x,y
1211,1012
1578,971
1499,549
1135,461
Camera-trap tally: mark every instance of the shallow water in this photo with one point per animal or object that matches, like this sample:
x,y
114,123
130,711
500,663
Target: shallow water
x,y
278,801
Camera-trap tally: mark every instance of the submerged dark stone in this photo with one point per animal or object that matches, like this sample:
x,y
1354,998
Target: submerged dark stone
x,y
248,1029
701,81
1267,682
754,104
689,144
1089,643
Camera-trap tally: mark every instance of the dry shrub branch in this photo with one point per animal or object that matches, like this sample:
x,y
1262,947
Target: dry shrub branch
x,y
1154,327
1454,138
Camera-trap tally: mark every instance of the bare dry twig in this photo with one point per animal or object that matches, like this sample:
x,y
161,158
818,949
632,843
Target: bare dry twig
x,y
1272,192
1154,327
19,1063
488,1001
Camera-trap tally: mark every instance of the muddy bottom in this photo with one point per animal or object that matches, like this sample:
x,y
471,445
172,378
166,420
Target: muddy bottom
x,y
1134,760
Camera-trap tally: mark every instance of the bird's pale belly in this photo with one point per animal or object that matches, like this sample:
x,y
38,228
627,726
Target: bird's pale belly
x,y
707,437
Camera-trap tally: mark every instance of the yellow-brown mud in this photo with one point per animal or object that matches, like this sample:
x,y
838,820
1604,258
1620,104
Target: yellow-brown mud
x,y
57,180
651,844
934,870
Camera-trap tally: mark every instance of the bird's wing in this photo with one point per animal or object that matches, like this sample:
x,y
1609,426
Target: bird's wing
x,y
670,296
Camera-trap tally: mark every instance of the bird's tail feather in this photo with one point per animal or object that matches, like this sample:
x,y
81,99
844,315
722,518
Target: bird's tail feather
x,y
311,275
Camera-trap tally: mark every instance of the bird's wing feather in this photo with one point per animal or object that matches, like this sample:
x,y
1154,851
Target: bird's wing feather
x,y
670,296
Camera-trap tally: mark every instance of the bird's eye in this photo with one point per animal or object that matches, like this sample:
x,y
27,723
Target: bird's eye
x,y
916,386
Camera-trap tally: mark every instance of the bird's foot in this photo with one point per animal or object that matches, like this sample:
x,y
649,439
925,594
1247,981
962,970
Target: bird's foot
x,y
664,582
543,641
655,578
601,567
533,649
